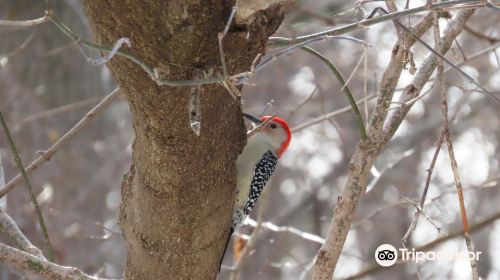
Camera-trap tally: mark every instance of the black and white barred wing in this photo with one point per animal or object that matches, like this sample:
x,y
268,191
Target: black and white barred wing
x,y
263,171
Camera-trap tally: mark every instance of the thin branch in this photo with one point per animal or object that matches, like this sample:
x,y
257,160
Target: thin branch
x,y
461,50
153,73
447,136
347,91
25,23
267,107
442,58
41,267
365,82
330,115
46,155
488,184
360,60
275,42
421,211
454,167
469,58
421,204
308,98
221,38
490,4
481,35
260,126
288,50
20,48
242,77
425,70
20,166
111,54
9,227
416,215
55,111
377,175
374,268
295,231
108,233
390,78
253,238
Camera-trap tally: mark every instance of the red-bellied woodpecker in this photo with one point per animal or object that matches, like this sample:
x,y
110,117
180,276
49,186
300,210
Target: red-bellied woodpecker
x,y
256,165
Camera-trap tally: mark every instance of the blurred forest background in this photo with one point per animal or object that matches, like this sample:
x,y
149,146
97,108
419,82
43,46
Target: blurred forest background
x,y
46,86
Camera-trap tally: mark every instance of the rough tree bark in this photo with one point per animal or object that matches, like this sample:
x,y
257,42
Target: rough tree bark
x,y
178,195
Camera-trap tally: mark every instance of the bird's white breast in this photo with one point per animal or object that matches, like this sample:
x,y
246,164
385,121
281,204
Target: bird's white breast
x,y
248,159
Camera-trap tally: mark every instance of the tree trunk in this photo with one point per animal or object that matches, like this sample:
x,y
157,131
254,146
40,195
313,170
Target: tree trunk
x,y
178,195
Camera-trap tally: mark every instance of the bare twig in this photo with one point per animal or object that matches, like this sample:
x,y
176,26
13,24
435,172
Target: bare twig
x,y
46,155
420,206
275,42
153,73
330,115
253,238
392,73
488,184
24,23
374,268
392,8
260,126
41,267
267,107
109,56
364,155
295,231
308,98
221,38
365,82
54,111
195,104
303,44
454,167
347,91
447,136
108,232
24,174
426,68
9,226
378,174
421,211
20,48
242,77
490,4
360,60
442,58
469,58
317,15
414,222
481,35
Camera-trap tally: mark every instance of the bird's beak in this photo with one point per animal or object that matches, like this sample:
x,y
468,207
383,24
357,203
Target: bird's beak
x,y
252,118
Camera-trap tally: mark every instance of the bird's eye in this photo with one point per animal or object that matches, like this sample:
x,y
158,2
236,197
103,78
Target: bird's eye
x,y
273,125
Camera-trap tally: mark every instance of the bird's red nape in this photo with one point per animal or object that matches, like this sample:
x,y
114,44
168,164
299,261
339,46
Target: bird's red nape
x,y
285,126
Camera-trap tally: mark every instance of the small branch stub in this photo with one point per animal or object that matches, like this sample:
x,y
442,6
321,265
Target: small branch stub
x,y
195,104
